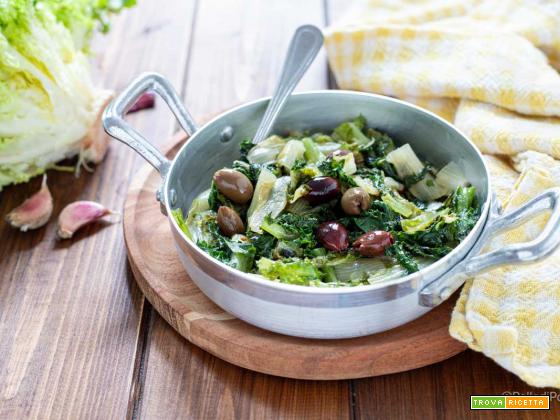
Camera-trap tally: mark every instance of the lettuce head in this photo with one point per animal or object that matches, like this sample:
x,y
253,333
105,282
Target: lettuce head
x,y
48,102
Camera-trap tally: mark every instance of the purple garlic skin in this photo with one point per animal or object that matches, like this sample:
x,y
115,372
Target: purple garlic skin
x,y
145,101
34,212
78,214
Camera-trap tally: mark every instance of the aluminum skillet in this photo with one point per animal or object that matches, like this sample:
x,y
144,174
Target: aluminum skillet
x,y
327,312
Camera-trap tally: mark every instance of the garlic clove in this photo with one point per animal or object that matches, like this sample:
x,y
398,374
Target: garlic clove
x,y
33,212
78,214
145,101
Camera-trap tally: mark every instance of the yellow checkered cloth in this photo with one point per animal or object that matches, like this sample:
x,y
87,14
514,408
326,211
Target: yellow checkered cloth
x,y
489,66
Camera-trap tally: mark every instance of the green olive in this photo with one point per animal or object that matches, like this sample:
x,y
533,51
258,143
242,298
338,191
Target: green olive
x,y
355,201
358,158
229,221
234,185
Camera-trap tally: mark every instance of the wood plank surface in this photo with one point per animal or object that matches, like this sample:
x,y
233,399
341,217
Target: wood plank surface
x,y
238,50
443,390
70,311
183,381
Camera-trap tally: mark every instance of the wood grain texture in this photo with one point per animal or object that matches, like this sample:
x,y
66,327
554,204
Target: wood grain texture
x,y
183,381
70,311
159,273
443,391
238,50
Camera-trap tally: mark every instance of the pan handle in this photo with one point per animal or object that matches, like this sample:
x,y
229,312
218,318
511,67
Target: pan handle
x,y
540,247
117,127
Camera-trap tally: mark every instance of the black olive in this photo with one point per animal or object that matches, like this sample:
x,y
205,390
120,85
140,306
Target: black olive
x,y
333,236
322,189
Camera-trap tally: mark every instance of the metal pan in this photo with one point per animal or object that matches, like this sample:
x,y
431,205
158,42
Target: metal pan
x,y
327,312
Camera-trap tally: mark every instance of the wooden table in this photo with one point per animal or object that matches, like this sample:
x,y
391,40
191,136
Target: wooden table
x,y
77,338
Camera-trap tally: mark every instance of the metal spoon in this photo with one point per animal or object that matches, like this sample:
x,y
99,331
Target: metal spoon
x,y
305,45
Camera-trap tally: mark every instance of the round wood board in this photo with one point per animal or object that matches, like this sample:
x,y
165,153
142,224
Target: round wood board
x,y
161,277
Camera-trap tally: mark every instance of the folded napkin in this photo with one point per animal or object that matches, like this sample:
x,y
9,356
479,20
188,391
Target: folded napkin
x,y
488,66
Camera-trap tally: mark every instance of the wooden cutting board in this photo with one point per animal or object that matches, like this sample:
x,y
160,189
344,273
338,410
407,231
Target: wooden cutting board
x,y
169,289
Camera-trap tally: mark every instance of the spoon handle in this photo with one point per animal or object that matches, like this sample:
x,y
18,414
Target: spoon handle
x,y
305,45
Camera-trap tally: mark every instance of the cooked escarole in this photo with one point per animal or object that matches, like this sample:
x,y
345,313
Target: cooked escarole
x,y
336,209
422,181
449,178
266,152
292,151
